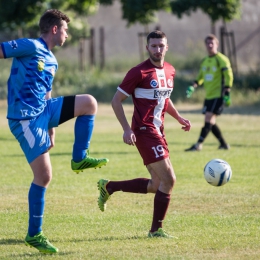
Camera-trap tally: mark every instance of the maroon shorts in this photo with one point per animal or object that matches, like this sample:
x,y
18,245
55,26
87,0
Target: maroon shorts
x,y
151,146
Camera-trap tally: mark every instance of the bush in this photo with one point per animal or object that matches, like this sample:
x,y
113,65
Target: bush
x,y
103,84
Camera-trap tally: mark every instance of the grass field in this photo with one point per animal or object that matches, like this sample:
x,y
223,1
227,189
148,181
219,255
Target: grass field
x,y
210,222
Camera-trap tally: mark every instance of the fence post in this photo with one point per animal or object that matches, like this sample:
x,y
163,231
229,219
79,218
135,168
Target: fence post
x,y
92,47
101,47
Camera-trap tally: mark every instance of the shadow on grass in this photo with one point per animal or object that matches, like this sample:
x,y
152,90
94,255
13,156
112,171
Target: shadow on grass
x,y
10,241
241,110
109,239
34,254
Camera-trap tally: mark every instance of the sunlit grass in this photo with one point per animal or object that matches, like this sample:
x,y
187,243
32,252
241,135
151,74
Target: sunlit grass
x,y
210,222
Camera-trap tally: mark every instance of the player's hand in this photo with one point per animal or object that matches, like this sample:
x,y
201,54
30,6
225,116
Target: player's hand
x,y
51,132
129,137
189,91
227,100
186,125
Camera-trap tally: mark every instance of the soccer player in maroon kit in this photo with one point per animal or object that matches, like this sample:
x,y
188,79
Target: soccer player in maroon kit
x,y
150,84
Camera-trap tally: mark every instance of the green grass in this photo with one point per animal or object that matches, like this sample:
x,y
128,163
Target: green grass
x,y
210,222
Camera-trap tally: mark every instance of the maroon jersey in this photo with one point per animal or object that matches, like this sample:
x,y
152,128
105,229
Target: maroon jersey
x,y
151,88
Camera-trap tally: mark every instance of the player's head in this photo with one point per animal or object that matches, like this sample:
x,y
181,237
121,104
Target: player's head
x,y
50,18
211,42
157,46
56,22
155,35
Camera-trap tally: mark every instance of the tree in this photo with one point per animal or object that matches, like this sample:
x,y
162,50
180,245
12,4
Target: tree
x,y
22,17
142,11
226,10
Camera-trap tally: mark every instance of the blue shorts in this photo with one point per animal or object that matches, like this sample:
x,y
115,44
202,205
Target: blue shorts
x,y
33,134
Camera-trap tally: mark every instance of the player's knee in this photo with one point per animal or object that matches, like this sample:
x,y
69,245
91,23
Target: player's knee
x,y
43,179
90,105
172,180
153,186
46,180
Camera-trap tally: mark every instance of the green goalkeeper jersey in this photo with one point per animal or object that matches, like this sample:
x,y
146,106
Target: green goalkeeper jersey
x,y
215,73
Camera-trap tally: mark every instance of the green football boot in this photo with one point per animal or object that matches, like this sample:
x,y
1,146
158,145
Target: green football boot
x,y
160,233
41,242
103,194
88,162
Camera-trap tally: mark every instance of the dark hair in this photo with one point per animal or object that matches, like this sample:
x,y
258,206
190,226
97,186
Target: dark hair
x,y
50,18
155,34
211,37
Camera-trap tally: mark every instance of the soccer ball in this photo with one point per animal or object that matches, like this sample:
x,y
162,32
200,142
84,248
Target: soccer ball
x,y
217,172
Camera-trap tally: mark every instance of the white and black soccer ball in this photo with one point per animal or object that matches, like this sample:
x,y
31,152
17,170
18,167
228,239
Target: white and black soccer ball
x,y
217,172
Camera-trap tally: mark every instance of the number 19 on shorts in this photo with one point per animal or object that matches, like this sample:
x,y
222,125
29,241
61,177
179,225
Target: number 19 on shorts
x,y
158,150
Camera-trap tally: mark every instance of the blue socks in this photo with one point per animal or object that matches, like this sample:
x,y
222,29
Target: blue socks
x,y
36,209
83,131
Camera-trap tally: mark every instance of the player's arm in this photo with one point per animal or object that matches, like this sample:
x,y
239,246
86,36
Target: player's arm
x,y
171,110
228,80
227,73
117,106
51,131
1,52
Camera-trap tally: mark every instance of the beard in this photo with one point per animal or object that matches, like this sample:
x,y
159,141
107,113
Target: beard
x,y
155,59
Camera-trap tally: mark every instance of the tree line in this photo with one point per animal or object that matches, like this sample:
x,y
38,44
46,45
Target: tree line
x,y
20,18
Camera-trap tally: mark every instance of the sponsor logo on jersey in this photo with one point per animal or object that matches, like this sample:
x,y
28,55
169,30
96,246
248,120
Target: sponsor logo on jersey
x,y
153,83
162,83
208,77
170,83
40,65
13,44
162,93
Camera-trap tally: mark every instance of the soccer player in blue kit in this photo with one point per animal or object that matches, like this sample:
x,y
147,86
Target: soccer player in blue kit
x,y
33,114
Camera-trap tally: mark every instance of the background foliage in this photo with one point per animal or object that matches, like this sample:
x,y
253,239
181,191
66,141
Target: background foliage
x,y
21,17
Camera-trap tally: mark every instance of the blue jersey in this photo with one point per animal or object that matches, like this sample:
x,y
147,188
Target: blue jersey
x,y
31,77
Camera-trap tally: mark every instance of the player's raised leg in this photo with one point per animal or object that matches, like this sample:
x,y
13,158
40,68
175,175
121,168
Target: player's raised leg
x,y
85,110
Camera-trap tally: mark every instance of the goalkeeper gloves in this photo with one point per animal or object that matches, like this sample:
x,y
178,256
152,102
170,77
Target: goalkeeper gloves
x,y
226,97
227,100
189,91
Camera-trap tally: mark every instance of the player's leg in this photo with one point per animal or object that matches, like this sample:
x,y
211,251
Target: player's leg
x,y
107,188
216,130
162,171
42,173
138,185
217,133
84,107
210,119
35,141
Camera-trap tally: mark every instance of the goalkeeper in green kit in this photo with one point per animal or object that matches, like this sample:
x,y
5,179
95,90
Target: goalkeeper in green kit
x,y
216,76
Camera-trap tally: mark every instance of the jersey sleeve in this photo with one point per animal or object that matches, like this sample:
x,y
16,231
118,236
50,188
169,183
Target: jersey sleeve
x,y
226,71
200,78
130,82
18,48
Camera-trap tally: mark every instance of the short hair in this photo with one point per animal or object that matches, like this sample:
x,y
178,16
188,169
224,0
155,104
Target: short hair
x,y
211,37
50,18
155,34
